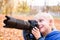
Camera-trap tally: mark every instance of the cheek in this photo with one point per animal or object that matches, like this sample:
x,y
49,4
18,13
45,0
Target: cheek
x,y
43,29
46,23
46,26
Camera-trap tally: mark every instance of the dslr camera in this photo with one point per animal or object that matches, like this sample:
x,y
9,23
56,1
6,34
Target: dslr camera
x,y
27,26
11,22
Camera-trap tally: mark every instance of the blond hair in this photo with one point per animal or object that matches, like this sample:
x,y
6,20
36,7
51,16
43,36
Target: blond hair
x,y
47,15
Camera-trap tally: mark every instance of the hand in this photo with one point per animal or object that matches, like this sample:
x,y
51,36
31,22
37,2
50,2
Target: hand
x,y
36,32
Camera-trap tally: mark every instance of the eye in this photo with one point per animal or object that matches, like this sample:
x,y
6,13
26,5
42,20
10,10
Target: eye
x,y
41,20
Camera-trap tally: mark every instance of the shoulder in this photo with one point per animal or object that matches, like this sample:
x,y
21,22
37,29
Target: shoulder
x,y
53,35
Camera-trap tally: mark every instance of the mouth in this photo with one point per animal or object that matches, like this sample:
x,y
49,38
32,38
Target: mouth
x,y
41,26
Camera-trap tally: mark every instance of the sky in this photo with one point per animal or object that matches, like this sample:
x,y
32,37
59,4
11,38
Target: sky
x,y
43,2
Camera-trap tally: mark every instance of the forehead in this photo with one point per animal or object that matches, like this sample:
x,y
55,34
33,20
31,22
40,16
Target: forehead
x,y
41,18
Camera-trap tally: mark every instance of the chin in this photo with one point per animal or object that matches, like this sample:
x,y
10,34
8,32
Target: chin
x,y
42,31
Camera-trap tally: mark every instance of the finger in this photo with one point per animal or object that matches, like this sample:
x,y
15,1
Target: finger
x,y
33,32
36,28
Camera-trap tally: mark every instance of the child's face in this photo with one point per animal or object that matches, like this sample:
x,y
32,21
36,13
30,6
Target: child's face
x,y
44,24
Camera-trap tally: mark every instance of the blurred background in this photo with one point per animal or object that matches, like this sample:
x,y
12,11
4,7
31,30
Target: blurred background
x,y
25,10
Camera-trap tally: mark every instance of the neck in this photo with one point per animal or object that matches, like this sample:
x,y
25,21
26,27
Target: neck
x,y
47,32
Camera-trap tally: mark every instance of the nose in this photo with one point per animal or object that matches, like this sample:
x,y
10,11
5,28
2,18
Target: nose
x,y
39,23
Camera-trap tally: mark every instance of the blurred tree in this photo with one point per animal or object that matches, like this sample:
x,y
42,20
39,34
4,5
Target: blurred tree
x,y
1,2
7,7
23,8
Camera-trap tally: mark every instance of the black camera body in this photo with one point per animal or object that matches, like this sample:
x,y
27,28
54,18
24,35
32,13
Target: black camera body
x,y
11,22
